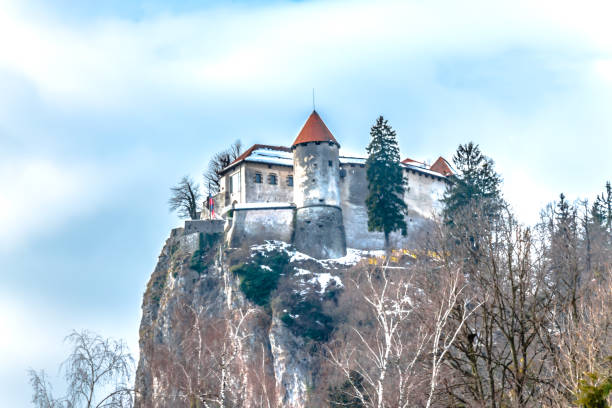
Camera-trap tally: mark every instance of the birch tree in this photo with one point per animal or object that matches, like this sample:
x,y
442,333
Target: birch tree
x,y
98,373
446,327
208,370
379,360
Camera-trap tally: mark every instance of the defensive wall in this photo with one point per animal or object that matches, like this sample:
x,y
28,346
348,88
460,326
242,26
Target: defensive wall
x,y
257,222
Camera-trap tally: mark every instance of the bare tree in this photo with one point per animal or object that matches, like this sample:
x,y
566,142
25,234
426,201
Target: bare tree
x,y
98,373
378,360
206,372
500,359
446,327
582,342
185,198
217,163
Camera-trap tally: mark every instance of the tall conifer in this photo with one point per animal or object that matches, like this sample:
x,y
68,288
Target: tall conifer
x,y
475,184
386,185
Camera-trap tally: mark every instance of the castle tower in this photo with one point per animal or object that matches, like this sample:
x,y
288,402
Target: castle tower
x,y
319,231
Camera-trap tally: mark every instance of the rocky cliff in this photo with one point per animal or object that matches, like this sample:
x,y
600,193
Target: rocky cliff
x,y
235,327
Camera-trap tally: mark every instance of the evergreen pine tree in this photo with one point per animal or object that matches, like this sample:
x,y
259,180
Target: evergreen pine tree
x,y
386,185
476,183
602,209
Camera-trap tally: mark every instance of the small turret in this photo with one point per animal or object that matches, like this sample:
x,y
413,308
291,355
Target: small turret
x,y
319,230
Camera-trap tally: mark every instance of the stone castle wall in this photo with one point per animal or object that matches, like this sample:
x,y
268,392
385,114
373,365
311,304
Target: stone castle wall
x,y
257,220
316,174
256,224
265,192
422,198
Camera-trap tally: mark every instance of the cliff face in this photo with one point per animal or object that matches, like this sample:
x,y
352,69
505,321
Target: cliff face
x,y
241,327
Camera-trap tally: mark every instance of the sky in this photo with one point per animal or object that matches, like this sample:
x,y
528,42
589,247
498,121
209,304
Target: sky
x,y
105,105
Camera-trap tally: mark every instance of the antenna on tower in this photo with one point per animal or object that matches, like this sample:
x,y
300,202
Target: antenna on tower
x,y
313,100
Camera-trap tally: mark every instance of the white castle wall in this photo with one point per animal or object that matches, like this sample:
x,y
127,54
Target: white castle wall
x,y
319,230
265,192
316,183
422,199
254,224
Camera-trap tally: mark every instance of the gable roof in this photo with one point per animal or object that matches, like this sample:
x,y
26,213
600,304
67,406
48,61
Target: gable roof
x,y
442,166
314,130
253,148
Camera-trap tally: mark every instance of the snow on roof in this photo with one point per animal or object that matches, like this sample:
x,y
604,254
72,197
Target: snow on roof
x,y
268,156
352,160
422,169
257,148
282,156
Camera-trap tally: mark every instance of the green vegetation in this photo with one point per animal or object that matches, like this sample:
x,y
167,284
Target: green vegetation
x,y
259,277
304,315
593,391
203,256
475,184
386,186
307,319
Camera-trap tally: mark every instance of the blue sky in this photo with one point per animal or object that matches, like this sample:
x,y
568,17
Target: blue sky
x,y
105,105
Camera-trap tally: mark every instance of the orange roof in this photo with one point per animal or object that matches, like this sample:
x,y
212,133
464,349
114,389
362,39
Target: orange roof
x,y
441,166
314,130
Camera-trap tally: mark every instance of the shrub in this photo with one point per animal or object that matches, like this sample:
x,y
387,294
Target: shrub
x,y
259,277
593,393
307,319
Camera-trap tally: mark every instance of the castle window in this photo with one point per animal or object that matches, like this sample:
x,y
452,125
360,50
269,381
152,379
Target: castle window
x,y
258,178
272,179
330,163
290,181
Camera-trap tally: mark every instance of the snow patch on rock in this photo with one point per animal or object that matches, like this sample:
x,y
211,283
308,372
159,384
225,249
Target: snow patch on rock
x,y
323,280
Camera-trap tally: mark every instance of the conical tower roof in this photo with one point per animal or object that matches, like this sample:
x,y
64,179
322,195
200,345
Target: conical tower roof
x,y
314,130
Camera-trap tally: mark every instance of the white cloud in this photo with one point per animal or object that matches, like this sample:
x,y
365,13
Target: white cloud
x,y
40,194
37,194
235,49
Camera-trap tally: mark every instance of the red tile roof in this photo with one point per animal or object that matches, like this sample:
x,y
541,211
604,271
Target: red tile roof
x,y
441,166
250,150
314,130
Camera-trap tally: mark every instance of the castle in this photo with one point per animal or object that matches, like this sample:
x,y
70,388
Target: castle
x,y
313,197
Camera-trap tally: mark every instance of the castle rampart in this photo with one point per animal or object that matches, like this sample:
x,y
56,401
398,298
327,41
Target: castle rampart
x,y
256,223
